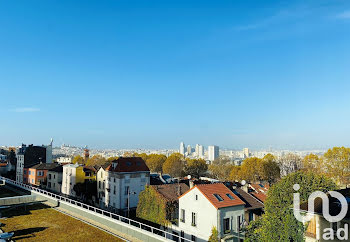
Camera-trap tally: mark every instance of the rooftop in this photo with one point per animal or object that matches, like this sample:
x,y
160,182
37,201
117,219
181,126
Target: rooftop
x,y
128,164
171,192
218,195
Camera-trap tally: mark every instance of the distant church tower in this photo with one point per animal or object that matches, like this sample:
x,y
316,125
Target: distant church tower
x,y
86,153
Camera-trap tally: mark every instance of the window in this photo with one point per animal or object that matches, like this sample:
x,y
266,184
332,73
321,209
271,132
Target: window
x,y
54,176
29,172
229,196
193,238
114,190
33,181
49,176
226,224
182,234
25,172
99,184
49,184
194,219
196,197
218,197
114,179
182,215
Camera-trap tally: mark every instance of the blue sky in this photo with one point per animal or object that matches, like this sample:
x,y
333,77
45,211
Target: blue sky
x,y
126,74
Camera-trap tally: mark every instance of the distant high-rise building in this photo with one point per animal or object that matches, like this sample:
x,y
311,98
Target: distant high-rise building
x,y
189,149
246,153
197,149
213,152
200,152
182,148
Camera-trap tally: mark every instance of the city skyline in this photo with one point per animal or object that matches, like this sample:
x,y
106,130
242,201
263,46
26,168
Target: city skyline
x,y
233,74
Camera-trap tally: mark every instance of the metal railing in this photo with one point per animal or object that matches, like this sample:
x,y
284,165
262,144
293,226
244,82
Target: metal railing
x,y
155,231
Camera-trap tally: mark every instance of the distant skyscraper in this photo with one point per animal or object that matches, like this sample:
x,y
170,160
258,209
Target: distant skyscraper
x,y
213,152
246,152
189,149
200,152
182,148
197,149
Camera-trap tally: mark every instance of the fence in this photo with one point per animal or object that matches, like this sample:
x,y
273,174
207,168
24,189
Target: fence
x,y
156,233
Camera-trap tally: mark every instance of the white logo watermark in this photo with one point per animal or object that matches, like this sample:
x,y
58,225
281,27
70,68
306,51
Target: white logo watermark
x,y
328,233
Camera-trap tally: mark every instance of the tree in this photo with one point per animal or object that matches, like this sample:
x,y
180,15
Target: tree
x,y
279,216
78,160
96,160
214,237
155,162
235,174
312,162
174,165
220,168
337,164
251,169
270,171
196,167
289,163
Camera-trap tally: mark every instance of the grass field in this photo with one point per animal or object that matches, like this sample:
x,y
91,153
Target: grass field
x,y
42,223
5,192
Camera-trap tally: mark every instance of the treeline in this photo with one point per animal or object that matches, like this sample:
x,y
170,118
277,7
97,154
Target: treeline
x,y
176,165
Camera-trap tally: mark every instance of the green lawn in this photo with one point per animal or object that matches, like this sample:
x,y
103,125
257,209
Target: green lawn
x,y
42,223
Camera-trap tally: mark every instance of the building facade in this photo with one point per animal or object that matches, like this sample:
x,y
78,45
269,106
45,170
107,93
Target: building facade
x,y
211,205
120,184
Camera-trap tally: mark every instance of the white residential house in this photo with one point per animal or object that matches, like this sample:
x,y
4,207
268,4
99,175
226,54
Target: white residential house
x,y
211,205
54,179
120,184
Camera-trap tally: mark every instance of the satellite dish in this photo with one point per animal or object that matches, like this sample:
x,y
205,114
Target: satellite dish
x,y
243,182
189,177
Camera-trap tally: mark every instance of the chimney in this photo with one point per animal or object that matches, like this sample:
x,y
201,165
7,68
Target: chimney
x,y
191,183
245,187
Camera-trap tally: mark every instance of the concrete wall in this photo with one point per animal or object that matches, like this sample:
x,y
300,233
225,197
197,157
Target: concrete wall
x,y
116,222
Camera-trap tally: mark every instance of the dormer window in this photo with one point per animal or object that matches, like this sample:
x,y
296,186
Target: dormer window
x,y
218,197
229,196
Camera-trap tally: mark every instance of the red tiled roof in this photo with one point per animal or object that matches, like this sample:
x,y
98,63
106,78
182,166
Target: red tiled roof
x,y
171,192
208,190
259,195
128,164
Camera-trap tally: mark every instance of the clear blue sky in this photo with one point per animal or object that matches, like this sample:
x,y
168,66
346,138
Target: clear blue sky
x,y
126,74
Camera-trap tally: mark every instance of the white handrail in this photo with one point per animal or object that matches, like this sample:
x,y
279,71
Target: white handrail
x,y
102,212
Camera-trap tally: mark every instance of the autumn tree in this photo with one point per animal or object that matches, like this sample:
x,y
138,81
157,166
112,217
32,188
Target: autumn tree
x,y
251,169
96,160
220,168
269,169
155,162
214,237
78,160
337,164
235,174
174,165
312,162
196,167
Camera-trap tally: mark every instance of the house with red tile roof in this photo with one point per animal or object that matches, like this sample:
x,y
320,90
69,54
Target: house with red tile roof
x,y
120,182
211,205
